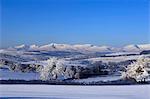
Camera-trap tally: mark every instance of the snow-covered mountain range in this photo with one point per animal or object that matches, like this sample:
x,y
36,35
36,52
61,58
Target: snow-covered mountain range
x,y
82,48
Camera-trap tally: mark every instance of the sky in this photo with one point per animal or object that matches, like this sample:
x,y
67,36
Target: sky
x,y
98,22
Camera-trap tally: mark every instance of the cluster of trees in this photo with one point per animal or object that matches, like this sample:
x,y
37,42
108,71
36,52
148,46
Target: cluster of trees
x,y
138,71
17,66
54,68
59,69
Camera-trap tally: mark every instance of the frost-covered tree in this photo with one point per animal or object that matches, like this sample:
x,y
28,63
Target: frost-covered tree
x,y
54,68
58,72
138,70
50,70
69,72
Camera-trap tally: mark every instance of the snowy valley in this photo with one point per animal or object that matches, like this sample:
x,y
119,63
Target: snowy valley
x,y
74,63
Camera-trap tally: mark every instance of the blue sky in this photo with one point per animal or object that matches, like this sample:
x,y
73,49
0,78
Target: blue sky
x,y
98,22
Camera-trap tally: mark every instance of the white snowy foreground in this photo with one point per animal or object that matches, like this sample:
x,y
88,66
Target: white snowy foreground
x,y
76,92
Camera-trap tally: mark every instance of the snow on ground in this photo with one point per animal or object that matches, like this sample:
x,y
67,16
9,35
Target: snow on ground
x,y
76,92
121,53
46,62
116,59
7,74
96,79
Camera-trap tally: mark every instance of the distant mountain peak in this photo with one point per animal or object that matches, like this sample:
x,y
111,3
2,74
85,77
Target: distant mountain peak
x,y
83,47
20,46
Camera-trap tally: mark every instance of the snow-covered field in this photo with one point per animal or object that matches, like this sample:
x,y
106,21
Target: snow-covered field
x,y
98,78
76,92
6,75
116,59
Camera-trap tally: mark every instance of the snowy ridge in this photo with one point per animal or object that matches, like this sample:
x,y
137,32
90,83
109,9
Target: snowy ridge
x,y
144,46
139,47
131,48
83,47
